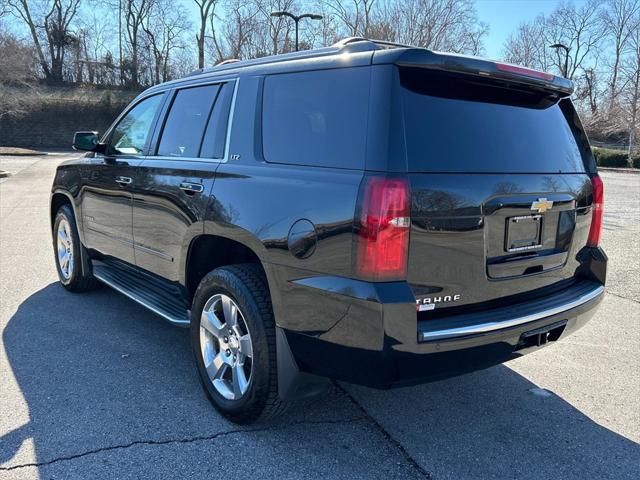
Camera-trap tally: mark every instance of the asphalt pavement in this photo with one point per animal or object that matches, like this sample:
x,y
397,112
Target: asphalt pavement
x,y
95,386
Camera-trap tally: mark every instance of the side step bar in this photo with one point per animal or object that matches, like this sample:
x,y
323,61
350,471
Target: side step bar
x,y
150,294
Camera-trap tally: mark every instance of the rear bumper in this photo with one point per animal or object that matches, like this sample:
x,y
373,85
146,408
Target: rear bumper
x,y
375,338
525,315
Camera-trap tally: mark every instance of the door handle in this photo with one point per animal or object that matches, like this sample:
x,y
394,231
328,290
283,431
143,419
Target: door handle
x,y
123,180
191,187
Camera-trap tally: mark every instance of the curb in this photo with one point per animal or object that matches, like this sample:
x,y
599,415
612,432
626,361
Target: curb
x,y
4,174
33,154
620,170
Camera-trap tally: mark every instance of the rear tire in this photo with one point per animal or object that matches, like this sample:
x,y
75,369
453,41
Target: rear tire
x,y
67,250
228,346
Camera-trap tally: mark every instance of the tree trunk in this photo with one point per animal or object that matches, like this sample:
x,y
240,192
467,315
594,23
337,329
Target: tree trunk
x,y
26,15
633,123
200,40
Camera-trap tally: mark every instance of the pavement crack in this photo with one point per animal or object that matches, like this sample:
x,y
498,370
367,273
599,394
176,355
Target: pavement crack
x,y
200,438
403,451
622,296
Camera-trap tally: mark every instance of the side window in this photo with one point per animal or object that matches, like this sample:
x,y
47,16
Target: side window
x,y
131,133
216,134
316,118
186,122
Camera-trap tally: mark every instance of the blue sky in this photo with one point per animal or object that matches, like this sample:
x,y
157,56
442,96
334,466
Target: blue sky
x,y
504,16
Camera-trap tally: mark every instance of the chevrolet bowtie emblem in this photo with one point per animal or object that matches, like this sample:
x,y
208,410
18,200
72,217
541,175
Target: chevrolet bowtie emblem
x,y
542,205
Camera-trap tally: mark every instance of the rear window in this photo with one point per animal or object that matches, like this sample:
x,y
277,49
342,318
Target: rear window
x,y
316,118
458,124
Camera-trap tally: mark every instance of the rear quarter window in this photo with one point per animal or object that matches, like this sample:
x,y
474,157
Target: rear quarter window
x,y
316,118
457,124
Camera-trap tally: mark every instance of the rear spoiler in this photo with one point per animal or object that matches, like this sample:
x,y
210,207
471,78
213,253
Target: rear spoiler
x,y
423,58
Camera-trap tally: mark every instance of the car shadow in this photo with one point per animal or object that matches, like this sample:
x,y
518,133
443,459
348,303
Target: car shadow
x,y
97,370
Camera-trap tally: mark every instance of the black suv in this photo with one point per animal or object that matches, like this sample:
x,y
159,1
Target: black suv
x,y
367,212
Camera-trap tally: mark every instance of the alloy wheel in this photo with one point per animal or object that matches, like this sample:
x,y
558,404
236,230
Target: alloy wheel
x,y
65,249
225,344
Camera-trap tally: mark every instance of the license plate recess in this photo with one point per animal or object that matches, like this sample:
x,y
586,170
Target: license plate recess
x,y
523,233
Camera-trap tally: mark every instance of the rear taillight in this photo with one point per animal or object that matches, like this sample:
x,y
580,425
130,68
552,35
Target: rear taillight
x,y
383,230
596,208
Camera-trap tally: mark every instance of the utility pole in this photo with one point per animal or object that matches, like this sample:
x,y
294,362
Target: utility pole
x,y
296,19
120,39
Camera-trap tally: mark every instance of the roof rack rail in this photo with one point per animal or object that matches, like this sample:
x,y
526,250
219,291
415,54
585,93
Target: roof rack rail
x,y
227,61
350,45
379,43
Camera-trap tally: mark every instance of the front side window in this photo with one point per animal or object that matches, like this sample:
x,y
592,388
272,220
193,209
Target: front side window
x,y
130,135
316,118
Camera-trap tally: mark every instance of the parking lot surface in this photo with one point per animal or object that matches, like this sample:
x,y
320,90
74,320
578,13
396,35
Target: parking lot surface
x,y
95,386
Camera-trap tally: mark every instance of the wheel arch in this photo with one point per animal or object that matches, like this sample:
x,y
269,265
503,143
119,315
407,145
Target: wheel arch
x,y
59,198
207,252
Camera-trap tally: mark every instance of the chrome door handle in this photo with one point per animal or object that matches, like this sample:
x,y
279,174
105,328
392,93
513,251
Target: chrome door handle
x,y
191,187
124,180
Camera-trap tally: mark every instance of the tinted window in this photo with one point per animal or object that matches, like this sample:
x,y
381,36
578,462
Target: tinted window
x,y
216,132
185,124
131,133
316,118
453,124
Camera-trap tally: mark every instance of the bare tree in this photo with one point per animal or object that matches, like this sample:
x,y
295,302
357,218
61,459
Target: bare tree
x,y
94,38
17,71
234,36
356,15
206,8
164,26
448,25
619,18
527,46
580,29
57,36
273,33
136,13
632,70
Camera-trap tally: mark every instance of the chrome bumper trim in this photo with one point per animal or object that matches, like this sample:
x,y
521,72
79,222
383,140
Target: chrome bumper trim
x,y
514,322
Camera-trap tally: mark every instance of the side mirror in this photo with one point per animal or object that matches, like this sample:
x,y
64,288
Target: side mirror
x,y
87,141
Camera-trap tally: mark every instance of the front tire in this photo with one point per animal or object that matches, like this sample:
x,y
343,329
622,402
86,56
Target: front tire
x,y
67,249
233,342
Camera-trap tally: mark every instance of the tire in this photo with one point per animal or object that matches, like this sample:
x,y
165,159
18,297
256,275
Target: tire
x,y
245,287
65,235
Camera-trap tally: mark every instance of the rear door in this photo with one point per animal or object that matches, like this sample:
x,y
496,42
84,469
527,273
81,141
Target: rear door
x,y
173,183
500,192
106,196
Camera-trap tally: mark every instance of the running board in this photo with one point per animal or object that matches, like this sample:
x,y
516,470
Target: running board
x,y
148,292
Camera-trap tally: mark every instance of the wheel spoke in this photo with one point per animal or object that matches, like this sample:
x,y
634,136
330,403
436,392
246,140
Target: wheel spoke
x,y
62,235
209,321
240,382
216,367
245,346
230,312
64,261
